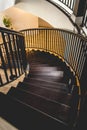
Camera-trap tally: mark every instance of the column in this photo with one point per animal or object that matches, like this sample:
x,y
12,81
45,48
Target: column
x,y
78,12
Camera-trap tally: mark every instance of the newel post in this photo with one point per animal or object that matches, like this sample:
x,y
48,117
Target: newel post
x,y
78,12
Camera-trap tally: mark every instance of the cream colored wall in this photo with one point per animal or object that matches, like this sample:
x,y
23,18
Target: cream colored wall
x,y
20,19
48,12
40,8
42,23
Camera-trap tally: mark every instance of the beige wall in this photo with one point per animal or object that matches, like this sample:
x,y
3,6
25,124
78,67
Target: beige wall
x,y
20,19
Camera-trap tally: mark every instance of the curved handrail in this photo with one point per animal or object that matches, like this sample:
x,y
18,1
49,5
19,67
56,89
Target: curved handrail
x,y
68,45
67,5
84,22
68,8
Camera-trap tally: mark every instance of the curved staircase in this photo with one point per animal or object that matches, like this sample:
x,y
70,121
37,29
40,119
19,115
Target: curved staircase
x,y
46,99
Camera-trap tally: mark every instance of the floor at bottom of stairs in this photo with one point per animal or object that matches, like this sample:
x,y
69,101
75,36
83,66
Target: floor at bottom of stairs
x,y
4,125
4,89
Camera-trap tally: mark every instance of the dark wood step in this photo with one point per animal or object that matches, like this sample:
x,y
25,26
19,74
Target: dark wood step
x,y
44,57
46,70
43,68
38,67
46,77
44,61
46,83
55,95
37,64
53,109
51,61
51,73
25,117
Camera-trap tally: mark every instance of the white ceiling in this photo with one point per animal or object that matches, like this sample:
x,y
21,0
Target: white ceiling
x,y
5,4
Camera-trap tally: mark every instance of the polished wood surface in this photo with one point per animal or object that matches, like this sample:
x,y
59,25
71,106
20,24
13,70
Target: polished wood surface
x,y
45,98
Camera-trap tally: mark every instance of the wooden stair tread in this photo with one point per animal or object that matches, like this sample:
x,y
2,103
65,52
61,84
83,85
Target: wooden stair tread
x,y
55,95
53,109
47,83
43,96
24,117
47,59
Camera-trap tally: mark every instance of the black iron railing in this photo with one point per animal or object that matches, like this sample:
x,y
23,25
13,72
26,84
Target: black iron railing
x,y
12,55
71,47
84,23
68,3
